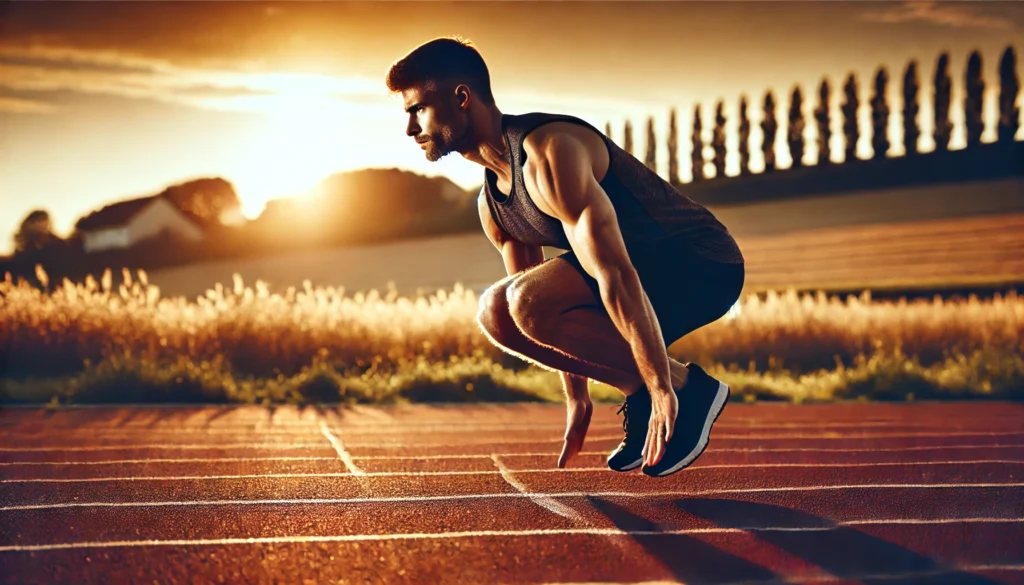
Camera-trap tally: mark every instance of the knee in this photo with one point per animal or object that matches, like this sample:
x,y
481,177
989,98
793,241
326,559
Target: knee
x,y
526,312
493,314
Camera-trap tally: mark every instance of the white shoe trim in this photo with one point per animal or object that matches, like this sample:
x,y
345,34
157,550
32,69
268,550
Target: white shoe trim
x,y
633,465
713,412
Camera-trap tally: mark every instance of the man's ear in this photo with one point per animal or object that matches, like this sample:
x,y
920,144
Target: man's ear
x,y
463,95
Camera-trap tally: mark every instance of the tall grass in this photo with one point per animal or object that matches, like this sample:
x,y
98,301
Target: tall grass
x,y
89,342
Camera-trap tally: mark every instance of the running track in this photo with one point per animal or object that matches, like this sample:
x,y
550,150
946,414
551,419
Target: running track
x,y
858,493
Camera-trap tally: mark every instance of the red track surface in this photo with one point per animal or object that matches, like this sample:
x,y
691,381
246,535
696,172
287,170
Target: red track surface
x,y
924,493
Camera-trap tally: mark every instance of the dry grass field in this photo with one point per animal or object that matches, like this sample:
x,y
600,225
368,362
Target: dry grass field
x,y
101,342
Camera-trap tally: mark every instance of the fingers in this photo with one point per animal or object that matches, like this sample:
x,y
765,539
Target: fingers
x,y
649,440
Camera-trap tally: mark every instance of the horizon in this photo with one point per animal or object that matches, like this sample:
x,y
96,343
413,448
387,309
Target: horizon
x,y
275,113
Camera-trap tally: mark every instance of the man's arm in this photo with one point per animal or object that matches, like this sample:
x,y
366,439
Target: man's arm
x,y
563,171
518,257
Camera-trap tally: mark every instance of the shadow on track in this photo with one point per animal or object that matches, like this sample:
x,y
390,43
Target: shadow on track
x,y
690,560
842,551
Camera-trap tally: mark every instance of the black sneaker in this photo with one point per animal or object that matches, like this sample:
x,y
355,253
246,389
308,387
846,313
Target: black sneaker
x,y
636,412
701,400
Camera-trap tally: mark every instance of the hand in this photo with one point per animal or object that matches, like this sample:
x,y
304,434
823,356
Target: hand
x,y
576,424
664,408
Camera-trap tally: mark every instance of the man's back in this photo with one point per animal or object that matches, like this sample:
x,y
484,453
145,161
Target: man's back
x,y
648,208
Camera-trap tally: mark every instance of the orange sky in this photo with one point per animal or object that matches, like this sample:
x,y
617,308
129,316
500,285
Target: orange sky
x,y
102,101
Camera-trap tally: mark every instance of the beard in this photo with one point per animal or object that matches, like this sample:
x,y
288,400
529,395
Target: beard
x,y
444,142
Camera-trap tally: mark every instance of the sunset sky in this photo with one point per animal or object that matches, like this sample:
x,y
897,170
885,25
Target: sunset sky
x,y
104,101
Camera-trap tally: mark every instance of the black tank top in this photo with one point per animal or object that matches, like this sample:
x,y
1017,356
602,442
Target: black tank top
x,y
648,207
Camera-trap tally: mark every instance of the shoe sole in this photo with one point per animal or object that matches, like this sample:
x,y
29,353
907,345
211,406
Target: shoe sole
x,y
631,466
716,409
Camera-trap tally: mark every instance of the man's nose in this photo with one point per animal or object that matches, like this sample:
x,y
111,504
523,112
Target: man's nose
x,y
412,129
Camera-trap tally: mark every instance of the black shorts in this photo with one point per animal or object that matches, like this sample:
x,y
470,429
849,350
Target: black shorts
x,y
687,291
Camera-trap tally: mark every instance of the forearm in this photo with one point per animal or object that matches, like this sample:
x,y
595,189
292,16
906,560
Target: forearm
x,y
518,257
575,387
631,312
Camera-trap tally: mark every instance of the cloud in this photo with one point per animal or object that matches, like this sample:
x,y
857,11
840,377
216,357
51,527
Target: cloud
x,y
930,11
57,69
22,106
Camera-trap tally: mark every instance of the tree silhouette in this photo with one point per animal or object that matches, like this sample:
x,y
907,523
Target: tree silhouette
x,y
769,125
35,233
851,129
627,140
208,199
880,115
608,129
943,127
821,117
1009,86
673,148
651,160
697,154
972,108
744,137
911,132
718,140
795,130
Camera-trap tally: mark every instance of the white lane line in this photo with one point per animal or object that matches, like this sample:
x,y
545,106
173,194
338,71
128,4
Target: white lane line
x,y
526,454
452,498
504,471
489,533
548,504
165,446
339,448
380,445
169,460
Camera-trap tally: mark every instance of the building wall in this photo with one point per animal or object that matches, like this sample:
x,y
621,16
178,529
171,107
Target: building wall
x,y
106,238
162,215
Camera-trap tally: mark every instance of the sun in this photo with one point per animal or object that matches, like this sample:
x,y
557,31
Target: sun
x,y
300,141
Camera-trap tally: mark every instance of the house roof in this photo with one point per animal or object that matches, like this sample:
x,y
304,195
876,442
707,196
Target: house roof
x,y
120,213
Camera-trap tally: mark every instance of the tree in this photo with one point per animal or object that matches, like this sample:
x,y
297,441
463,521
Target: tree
x,y
769,125
627,140
972,108
207,199
851,129
943,127
880,115
744,137
651,160
718,140
697,152
795,131
1009,86
821,117
35,233
608,129
910,107
673,149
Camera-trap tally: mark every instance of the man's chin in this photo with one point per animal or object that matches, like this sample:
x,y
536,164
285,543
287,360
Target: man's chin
x,y
435,155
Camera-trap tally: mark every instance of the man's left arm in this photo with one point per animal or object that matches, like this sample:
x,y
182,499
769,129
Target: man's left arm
x,y
565,179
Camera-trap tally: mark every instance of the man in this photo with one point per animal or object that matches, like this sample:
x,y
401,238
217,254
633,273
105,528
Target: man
x,y
645,265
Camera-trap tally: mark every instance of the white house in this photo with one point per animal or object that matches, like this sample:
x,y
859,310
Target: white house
x,y
125,223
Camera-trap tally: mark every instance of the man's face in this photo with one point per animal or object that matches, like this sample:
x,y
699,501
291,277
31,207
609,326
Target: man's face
x,y
435,121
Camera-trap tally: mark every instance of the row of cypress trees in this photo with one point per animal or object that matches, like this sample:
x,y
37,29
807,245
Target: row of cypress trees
x,y
1007,125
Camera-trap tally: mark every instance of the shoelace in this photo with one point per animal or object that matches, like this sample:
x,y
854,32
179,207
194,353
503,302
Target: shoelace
x,y
625,415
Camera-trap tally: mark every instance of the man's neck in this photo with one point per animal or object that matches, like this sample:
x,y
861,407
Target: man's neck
x,y
491,151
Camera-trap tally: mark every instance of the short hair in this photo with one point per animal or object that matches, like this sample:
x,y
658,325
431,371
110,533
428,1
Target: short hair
x,y
442,62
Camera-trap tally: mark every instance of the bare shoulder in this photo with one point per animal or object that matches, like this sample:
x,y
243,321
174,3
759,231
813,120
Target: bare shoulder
x,y
539,143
